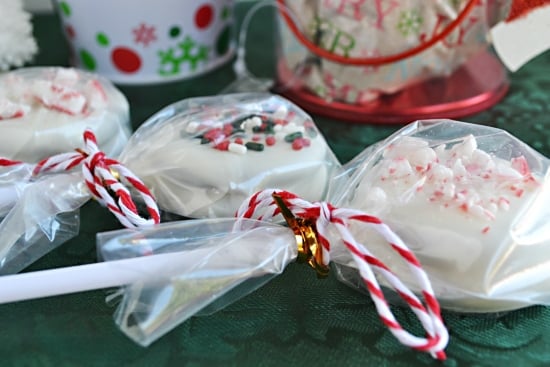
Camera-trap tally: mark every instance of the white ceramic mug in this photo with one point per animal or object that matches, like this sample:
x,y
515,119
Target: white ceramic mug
x,y
139,42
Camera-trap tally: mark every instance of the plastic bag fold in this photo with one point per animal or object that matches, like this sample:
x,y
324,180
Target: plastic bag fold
x,y
218,263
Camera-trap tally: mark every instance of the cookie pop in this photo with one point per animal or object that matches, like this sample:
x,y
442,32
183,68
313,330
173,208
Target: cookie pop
x,y
45,110
469,201
201,157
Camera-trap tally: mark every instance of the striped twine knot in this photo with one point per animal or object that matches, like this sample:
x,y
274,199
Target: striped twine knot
x,y
102,176
262,206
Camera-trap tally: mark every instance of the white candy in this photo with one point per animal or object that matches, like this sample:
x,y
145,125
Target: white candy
x,y
237,148
422,157
67,77
466,148
9,110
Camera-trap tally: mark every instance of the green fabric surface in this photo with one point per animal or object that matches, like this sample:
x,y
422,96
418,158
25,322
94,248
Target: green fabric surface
x,y
296,319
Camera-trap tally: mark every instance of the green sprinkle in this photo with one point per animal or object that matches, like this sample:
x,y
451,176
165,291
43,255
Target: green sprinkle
x,y
291,137
258,147
205,141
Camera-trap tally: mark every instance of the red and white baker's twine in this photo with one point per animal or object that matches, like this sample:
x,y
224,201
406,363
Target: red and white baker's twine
x,y
97,170
263,207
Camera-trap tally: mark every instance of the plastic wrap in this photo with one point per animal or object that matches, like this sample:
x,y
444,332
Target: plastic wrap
x,y
13,180
217,264
39,202
45,110
44,113
201,157
44,216
471,203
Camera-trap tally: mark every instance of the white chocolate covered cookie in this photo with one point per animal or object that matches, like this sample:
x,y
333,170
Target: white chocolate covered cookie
x,y
202,157
468,200
45,110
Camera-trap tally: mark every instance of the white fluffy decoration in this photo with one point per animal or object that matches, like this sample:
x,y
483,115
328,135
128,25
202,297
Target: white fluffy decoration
x,y
17,44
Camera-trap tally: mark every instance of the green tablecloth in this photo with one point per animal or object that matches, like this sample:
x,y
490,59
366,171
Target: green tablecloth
x,y
295,319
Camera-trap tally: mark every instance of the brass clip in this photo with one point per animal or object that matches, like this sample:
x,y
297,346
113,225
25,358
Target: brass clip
x,y
309,249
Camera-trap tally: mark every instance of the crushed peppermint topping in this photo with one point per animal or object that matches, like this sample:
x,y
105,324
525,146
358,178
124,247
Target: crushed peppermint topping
x,y
65,92
11,110
458,177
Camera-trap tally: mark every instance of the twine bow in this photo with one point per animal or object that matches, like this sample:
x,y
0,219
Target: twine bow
x,y
102,177
263,206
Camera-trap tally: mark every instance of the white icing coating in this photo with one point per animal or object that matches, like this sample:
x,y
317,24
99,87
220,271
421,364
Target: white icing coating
x,y
45,110
470,217
203,163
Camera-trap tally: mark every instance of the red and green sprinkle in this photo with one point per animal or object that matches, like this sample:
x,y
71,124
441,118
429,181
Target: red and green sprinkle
x,y
253,133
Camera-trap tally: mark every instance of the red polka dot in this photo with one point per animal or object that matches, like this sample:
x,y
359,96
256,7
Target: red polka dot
x,y
126,60
69,30
204,16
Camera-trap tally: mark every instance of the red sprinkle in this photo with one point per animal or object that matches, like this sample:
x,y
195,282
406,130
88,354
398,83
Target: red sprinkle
x,y
485,230
227,129
256,138
239,141
224,145
297,144
213,134
270,140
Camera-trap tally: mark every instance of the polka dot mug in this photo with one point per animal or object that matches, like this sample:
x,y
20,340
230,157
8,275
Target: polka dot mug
x,y
141,42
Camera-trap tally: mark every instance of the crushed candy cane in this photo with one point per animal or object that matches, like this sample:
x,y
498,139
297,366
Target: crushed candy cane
x,y
457,177
64,92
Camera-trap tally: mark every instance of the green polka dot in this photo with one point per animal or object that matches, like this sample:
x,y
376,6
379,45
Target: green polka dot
x,y
102,39
226,12
175,31
65,8
87,60
222,43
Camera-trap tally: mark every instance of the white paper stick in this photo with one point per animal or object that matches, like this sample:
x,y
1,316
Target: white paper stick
x,y
46,283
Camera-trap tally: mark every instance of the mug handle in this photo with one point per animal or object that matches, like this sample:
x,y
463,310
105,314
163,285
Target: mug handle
x,y
374,61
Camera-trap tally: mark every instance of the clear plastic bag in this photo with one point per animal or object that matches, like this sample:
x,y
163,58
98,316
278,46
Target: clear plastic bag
x,y
212,257
45,110
43,216
44,113
471,203
39,202
212,264
201,157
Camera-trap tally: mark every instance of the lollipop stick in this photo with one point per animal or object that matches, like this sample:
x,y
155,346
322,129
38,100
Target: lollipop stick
x,y
46,283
